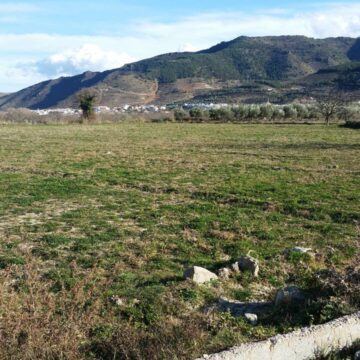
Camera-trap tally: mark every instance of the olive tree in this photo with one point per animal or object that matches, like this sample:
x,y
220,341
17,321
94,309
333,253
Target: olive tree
x,y
329,104
87,100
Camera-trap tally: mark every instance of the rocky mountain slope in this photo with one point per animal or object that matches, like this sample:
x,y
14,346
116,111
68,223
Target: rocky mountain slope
x,y
244,69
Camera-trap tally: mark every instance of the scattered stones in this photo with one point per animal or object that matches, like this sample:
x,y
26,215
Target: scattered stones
x,y
224,273
248,263
289,295
251,318
199,275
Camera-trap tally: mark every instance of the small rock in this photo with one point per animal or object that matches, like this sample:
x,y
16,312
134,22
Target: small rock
x,y
199,275
251,318
298,249
25,248
247,263
235,267
289,295
117,300
357,355
224,273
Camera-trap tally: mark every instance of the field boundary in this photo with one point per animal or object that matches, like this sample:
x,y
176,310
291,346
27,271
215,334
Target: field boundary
x,y
306,343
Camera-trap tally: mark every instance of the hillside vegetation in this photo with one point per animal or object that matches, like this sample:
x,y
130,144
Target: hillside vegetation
x,y
244,69
98,224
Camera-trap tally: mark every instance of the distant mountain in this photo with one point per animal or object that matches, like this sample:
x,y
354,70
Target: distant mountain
x,y
247,68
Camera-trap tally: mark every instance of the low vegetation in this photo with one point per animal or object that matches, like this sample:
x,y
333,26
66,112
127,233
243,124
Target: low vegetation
x,y
326,110
99,222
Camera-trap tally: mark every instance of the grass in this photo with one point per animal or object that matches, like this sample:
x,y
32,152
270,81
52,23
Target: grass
x,y
89,214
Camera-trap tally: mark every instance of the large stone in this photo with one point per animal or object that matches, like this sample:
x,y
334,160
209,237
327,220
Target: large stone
x,y
247,263
199,275
357,355
289,296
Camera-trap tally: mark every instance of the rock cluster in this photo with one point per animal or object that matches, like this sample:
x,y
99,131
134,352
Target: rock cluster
x,y
245,263
200,275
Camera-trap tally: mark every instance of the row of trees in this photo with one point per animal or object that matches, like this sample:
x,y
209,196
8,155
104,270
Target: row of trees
x,y
292,112
327,106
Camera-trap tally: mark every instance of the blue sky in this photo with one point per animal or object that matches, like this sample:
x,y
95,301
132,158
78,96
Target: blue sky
x,y
46,39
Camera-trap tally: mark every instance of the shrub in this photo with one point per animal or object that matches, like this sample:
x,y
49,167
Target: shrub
x,y
254,112
302,111
266,111
239,112
196,114
278,113
290,112
180,115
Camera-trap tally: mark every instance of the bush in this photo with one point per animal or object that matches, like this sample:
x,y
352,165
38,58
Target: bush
x,y
196,114
266,111
278,113
302,111
181,115
254,112
352,124
290,112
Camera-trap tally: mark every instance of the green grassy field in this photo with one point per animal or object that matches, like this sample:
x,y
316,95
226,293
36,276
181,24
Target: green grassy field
x,y
98,224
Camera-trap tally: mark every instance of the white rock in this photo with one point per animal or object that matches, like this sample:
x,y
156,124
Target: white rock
x,y
235,267
199,275
117,300
251,318
224,273
357,355
298,249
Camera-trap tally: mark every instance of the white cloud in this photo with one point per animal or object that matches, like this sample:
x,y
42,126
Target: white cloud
x,y
68,54
74,61
207,28
188,47
17,8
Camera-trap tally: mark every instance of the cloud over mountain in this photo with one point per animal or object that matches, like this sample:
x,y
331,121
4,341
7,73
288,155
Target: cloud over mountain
x,y
74,61
30,56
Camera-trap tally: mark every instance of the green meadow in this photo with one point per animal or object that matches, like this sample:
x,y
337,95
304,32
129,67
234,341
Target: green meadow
x,y
99,222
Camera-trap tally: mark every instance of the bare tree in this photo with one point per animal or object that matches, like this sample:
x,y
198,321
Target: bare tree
x,y
330,103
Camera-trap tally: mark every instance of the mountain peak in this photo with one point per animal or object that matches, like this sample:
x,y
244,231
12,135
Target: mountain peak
x,y
182,76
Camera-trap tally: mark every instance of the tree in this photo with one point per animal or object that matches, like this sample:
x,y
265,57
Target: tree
x,y
290,112
196,114
180,115
329,104
87,100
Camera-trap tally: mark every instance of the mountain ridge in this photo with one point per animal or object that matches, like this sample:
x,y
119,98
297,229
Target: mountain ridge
x,y
183,76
